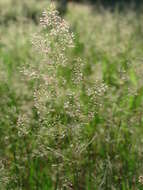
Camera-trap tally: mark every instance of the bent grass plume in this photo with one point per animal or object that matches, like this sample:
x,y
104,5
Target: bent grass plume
x,y
65,102
79,128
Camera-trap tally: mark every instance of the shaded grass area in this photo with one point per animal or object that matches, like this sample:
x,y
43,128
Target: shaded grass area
x,y
109,43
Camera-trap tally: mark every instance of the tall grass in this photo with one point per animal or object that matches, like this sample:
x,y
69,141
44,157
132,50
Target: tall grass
x,y
71,109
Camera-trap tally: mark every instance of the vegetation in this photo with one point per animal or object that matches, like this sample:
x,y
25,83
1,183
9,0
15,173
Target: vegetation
x,y
71,98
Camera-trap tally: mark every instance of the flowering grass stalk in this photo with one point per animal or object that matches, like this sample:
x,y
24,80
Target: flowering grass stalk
x,y
79,130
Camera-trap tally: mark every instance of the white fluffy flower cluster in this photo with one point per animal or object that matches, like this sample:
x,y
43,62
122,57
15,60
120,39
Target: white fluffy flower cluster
x,y
65,100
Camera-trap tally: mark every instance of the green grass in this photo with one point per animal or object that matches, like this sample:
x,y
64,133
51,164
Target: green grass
x,y
110,43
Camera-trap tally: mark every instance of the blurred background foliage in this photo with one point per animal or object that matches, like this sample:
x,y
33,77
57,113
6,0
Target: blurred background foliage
x,y
109,42
110,4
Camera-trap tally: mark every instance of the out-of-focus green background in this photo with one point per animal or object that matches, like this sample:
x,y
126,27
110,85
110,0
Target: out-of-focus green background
x,y
107,35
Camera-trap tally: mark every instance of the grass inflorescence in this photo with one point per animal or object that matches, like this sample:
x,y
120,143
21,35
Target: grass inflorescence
x,y
71,98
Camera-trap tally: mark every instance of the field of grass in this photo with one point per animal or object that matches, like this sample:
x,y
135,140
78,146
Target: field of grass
x,y
71,118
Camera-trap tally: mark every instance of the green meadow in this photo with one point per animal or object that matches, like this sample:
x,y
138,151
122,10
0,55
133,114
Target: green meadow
x,y
78,124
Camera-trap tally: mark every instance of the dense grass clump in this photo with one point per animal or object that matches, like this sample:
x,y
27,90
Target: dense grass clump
x,y
71,100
